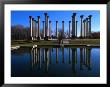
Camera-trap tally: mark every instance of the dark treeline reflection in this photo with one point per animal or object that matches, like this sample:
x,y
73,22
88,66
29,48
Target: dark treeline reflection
x,y
43,56
55,62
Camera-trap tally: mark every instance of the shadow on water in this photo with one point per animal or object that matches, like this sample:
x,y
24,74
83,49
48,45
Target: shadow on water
x,y
59,62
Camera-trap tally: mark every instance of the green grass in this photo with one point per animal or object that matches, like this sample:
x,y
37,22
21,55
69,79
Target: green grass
x,y
95,42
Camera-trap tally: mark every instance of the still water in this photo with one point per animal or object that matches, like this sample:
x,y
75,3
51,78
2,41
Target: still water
x,y
55,62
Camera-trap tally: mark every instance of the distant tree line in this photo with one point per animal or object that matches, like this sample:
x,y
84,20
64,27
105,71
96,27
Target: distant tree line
x,y
19,32
95,35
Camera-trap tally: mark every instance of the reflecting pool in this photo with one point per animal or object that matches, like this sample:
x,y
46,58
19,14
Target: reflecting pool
x,y
55,62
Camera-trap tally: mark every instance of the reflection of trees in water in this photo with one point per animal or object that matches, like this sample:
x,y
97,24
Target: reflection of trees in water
x,y
43,55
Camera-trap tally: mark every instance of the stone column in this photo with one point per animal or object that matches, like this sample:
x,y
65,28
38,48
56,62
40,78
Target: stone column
x,y
81,25
49,29
32,28
90,16
30,21
45,24
76,29
38,27
69,28
35,29
84,28
88,27
56,29
63,28
43,29
73,24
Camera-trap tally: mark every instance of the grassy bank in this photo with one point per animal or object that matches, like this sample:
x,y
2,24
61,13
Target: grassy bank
x,y
78,42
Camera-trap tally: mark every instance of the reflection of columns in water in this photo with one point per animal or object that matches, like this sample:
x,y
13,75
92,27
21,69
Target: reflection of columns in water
x,y
52,49
89,58
47,58
81,58
74,58
44,55
63,55
85,56
88,61
50,55
36,57
69,57
39,57
56,55
32,57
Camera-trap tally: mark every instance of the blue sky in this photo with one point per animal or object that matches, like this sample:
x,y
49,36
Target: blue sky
x,y
22,18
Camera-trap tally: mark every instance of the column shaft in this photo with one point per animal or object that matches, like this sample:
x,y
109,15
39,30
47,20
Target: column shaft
x,y
32,28
57,29
35,34
73,24
43,29
76,29
63,28
69,28
30,21
81,24
86,27
38,26
90,24
49,29
45,24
